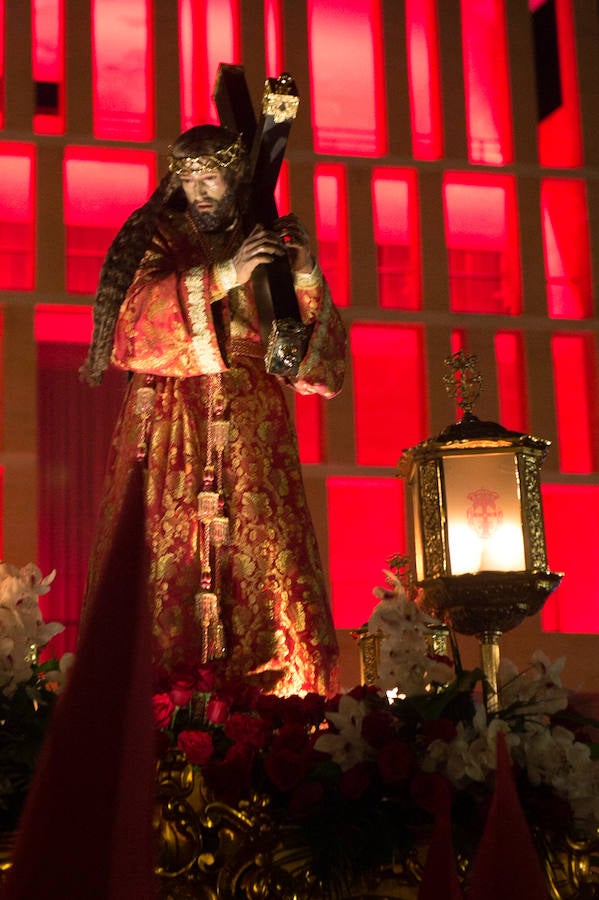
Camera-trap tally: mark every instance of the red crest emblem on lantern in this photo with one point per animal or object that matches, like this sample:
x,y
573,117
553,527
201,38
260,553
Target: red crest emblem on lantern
x,y
484,515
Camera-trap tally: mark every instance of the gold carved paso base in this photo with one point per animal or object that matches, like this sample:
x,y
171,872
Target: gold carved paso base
x,y
211,851
487,601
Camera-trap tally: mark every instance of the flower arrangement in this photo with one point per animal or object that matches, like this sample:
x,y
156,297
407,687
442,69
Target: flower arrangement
x,y
358,774
28,688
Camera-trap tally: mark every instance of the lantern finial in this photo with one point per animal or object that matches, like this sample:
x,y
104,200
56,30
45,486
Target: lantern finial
x,y
464,380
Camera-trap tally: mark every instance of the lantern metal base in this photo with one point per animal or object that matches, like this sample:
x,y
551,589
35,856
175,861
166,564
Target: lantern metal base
x,y
487,601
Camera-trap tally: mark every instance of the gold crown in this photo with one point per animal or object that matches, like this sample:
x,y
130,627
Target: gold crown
x,y
207,162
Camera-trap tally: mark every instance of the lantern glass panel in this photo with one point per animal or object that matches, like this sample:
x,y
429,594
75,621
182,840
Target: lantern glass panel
x,y
484,520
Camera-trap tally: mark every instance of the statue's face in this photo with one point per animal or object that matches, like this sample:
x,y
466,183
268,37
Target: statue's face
x,y
204,189
211,199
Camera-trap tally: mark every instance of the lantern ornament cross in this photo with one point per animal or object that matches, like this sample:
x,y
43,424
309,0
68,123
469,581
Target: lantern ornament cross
x,y
464,380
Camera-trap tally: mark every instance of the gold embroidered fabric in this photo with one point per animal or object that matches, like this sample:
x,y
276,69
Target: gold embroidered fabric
x,y
277,626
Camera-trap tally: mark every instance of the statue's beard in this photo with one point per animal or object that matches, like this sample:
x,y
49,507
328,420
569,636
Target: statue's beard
x,y
220,217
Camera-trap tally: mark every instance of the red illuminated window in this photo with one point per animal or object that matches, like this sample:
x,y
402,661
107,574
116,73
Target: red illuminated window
x,y
424,75
2,64
572,532
458,340
390,394
486,82
209,34
559,130
273,38
347,77
122,69
57,323
101,188
366,527
70,472
330,190
511,380
309,426
17,216
47,57
482,243
575,389
566,244
396,234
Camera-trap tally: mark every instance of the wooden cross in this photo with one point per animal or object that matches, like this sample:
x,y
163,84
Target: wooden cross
x,y
267,140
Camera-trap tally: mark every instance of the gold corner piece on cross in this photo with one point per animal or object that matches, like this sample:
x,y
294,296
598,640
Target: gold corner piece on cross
x,y
280,99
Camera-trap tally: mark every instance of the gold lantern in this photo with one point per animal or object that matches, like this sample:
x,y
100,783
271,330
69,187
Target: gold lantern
x,y
478,532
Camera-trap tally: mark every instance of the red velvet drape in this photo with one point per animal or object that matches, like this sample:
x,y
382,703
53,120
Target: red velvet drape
x,y
75,424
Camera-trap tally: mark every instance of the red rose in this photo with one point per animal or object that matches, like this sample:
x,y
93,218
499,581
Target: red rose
x,y
285,768
182,686
163,707
355,781
293,710
290,737
204,679
217,710
394,762
245,728
196,745
379,728
313,708
269,706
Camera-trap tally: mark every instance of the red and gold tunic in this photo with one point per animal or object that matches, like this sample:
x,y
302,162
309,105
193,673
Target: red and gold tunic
x,y
189,332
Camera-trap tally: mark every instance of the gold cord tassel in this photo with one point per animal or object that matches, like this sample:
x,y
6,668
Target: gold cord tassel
x,y
213,526
145,397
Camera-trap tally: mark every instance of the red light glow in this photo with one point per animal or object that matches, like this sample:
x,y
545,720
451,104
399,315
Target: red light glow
x,y
308,423
366,527
348,101
273,38
486,82
390,393
17,216
396,234
575,391
209,34
560,134
102,187
572,532
482,241
2,65
424,75
122,69
58,323
330,196
566,244
511,380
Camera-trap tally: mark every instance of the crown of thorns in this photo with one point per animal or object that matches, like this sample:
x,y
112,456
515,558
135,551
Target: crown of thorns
x,y
207,162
